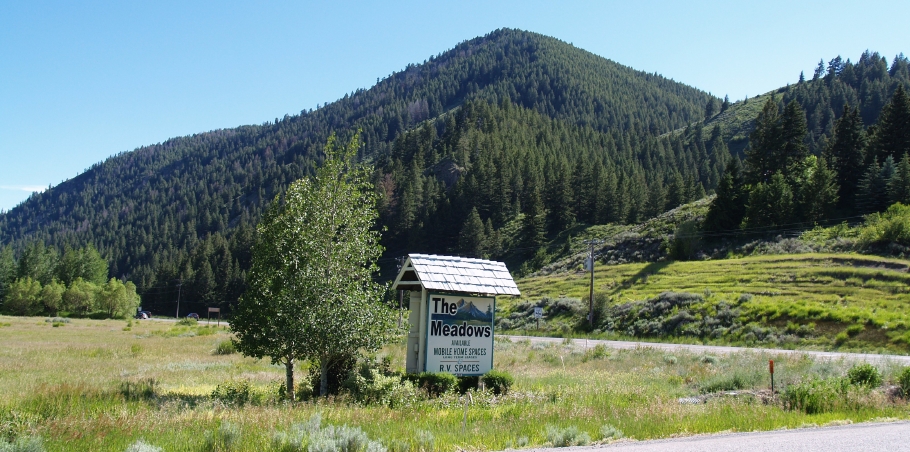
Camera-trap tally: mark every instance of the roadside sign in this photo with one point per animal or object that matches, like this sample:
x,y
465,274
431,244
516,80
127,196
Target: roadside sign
x,y
538,312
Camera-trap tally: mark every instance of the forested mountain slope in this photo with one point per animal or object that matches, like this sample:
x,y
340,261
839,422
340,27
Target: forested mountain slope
x,y
185,209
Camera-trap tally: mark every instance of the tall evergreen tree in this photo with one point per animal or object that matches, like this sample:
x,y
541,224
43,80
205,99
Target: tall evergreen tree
x,y
728,208
871,193
533,225
764,141
892,132
793,151
770,204
471,239
899,184
818,193
846,153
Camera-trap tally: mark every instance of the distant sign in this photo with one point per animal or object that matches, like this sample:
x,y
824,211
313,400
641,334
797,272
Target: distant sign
x,y
218,310
459,334
538,312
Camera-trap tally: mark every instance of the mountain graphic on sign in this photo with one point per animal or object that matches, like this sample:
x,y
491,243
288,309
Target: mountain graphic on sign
x,y
467,311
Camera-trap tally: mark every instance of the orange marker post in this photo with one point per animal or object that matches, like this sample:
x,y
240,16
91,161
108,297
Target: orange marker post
x,y
771,368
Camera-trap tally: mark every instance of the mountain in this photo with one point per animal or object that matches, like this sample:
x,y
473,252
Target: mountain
x,y
467,311
493,147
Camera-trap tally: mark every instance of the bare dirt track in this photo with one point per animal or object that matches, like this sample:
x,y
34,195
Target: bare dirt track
x,y
721,350
889,436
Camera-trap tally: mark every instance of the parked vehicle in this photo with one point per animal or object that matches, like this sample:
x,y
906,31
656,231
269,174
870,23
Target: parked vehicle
x,y
192,315
144,315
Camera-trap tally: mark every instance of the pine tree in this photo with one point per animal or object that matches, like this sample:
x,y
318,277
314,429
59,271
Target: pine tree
x,y
764,141
793,151
534,223
892,132
728,208
899,184
819,193
846,153
770,204
471,239
871,193
724,106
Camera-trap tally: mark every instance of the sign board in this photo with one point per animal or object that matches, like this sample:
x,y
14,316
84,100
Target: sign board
x,y
459,334
218,310
538,312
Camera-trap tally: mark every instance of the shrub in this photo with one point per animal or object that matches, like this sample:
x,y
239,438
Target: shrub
x,y
377,388
816,396
865,375
610,432
425,440
904,381
853,330
297,439
144,389
225,347
437,384
22,444
234,392
225,437
498,381
142,446
467,383
187,321
567,437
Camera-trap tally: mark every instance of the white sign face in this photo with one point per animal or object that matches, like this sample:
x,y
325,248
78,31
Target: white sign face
x,y
538,312
459,334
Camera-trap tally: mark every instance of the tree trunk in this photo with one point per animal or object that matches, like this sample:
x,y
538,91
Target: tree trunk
x,y
323,377
289,373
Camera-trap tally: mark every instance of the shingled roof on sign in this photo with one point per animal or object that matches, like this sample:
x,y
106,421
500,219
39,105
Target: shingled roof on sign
x,y
455,274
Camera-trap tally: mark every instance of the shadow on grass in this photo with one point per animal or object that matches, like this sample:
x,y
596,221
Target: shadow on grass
x,y
642,275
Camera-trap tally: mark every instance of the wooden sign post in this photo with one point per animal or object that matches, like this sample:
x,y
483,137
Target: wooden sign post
x,y
771,368
218,310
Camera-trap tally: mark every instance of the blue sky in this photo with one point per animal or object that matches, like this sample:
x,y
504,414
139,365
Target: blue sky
x,y
81,81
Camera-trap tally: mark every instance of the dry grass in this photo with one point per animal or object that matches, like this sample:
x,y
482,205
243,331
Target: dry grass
x,y
63,384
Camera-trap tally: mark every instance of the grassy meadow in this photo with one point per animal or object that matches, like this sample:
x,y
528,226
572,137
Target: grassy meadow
x,y
92,385
851,301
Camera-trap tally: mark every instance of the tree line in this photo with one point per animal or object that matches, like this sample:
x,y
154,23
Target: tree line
x,y
45,282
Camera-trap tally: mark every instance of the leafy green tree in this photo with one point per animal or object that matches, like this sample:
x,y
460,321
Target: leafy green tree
x,y
117,299
85,263
311,294
846,153
23,297
80,297
52,297
37,262
892,132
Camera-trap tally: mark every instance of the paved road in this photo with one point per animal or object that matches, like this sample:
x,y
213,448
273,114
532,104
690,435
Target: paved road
x,y
719,350
891,436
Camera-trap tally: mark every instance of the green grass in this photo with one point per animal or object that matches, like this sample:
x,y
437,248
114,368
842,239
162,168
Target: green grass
x,y
93,386
836,292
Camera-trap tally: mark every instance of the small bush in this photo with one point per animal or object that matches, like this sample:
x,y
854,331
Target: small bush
x,y
225,347
610,432
498,381
226,437
904,381
425,440
298,438
816,396
841,338
380,389
187,321
437,384
235,392
670,359
467,383
22,444
567,437
144,389
865,375
142,446
853,330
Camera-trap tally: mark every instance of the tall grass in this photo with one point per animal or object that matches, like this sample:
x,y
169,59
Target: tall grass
x,y
82,389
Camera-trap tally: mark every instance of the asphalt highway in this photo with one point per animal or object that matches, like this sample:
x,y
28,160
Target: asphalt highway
x,y
722,350
889,436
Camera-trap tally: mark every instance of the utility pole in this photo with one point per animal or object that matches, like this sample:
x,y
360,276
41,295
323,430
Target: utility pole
x,y
179,288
